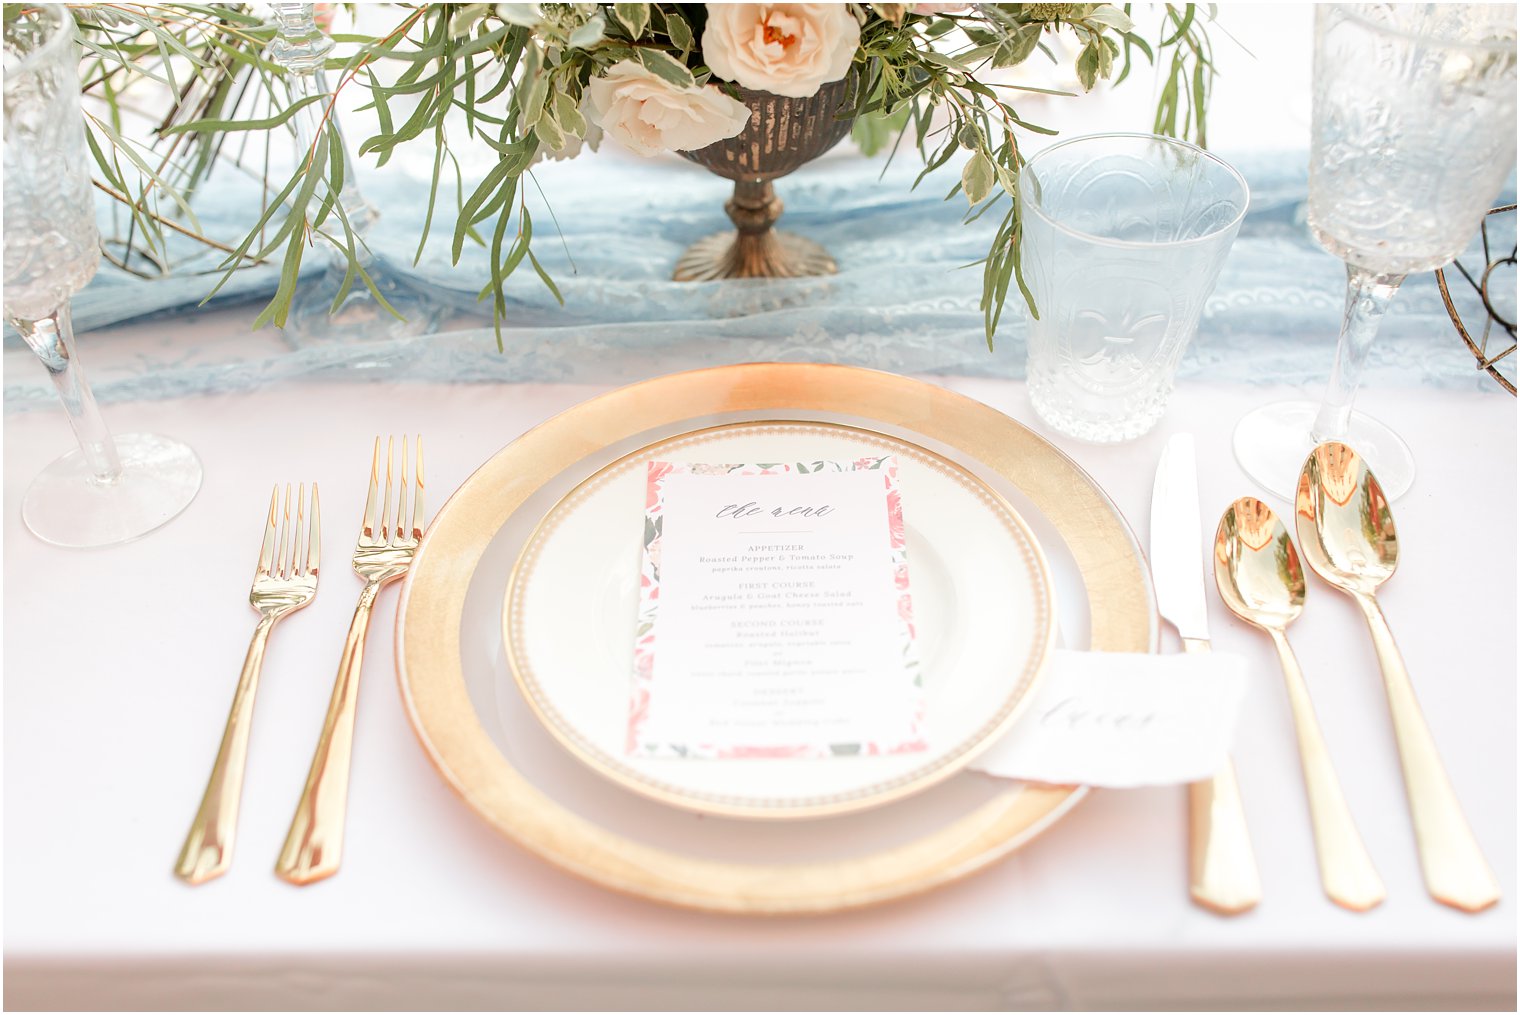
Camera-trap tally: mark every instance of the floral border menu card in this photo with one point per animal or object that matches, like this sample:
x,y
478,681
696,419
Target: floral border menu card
x,y
775,618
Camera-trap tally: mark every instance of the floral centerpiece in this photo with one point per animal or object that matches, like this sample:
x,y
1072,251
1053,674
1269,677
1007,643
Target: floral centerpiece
x,y
552,81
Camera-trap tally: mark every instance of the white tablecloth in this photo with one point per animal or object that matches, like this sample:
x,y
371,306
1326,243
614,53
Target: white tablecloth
x,y
120,663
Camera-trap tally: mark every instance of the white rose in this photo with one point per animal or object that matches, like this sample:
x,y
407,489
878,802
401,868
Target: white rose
x,y
786,49
651,116
937,8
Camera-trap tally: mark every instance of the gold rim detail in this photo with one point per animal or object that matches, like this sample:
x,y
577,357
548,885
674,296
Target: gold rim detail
x,y
941,767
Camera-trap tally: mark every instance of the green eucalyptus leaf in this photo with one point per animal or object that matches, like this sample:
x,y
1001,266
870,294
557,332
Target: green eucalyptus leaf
x,y
567,112
526,15
874,131
548,131
589,34
977,178
533,90
666,66
680,32
634,17
1008,179
1017,47
229,126
1087,65
1109,16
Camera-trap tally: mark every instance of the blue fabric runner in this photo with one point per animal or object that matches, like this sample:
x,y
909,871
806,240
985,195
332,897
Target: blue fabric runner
x,y
903,299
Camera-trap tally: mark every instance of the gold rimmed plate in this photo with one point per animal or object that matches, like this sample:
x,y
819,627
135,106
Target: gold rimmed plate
x,y
983,609
491,749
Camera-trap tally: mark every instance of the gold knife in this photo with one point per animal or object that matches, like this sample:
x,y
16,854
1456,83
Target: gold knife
x,y
1221,862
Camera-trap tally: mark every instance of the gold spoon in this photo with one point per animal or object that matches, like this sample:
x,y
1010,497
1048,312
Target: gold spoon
x,y
1347,532
1262,582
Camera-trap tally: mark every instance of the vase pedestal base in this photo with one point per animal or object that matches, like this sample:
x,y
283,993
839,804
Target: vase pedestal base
x,y
767,255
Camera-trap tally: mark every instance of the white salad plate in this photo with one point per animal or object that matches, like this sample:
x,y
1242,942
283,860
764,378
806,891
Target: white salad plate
x,y
982,608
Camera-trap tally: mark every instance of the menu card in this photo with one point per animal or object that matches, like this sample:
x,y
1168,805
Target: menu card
x,y
775,618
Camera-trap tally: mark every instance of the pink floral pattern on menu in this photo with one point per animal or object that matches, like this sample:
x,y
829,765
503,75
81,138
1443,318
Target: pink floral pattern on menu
x,y
649,600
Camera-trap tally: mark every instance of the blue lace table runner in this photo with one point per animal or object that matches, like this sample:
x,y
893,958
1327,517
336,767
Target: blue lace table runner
x,y
904,298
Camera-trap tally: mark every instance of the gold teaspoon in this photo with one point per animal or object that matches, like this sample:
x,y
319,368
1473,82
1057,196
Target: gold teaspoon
x,y
1348,537
1262,582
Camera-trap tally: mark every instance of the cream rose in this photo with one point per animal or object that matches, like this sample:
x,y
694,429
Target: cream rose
x,y
651,116
787,49
938,8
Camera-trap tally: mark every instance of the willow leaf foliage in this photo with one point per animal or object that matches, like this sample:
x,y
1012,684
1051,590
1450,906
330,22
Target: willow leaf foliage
x,y
514,76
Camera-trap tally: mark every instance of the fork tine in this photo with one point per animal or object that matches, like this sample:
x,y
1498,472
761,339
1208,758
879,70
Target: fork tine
x,y
371,523
266,551
314,534
418,518
385,514
298,548
282,567
398,530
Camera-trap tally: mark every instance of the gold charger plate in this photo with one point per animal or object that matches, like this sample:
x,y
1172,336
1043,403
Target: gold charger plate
x,y
522,481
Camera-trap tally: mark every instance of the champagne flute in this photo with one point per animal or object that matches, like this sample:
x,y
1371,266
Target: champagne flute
x,y
108,491
1413,136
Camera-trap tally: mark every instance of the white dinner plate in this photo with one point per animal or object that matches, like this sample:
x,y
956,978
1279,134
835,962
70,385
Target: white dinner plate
x,y
982,602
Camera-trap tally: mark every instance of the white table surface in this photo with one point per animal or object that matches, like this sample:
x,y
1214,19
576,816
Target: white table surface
x,y
120,663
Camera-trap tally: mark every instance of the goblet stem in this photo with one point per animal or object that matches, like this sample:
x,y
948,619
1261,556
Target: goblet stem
x,y
1368,294
301,48
52,339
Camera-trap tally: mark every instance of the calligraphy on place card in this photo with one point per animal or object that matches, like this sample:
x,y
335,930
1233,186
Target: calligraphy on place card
x,y
775,615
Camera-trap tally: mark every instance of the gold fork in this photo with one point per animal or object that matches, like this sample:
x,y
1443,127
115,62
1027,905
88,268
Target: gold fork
x,y
283,582
314,847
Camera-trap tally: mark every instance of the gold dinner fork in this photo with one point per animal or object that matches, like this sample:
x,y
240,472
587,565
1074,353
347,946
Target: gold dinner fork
x,y
387,543
284,581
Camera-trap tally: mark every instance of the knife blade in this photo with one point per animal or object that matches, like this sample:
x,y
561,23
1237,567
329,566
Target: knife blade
x,y
1177,540
1222,870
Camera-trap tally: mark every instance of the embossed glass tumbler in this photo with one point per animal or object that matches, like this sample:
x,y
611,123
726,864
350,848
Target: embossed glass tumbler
x,y
1124,237
1413,136
108,491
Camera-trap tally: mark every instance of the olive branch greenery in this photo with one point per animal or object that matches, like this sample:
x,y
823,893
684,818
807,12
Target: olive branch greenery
x,y
512,77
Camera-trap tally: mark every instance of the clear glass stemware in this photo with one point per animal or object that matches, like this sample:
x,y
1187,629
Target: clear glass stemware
x,y
109,490
1413,136
316,315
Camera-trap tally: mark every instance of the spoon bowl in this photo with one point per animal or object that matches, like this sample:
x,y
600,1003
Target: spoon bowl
x,y
1256,566
1344,521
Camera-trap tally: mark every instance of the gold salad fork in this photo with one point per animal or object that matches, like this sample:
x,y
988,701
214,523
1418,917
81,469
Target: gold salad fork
x,y
314,847
285,581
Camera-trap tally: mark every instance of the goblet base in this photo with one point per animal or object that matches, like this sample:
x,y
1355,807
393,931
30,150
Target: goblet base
x,y
66,504
768,254
1272,442
361,317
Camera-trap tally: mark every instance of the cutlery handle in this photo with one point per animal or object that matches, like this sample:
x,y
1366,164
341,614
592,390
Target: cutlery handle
x,y
1455,871
314,845
1222,864
1345,868
207,852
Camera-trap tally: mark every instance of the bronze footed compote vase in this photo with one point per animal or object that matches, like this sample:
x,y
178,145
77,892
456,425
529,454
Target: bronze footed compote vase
x,y
783,134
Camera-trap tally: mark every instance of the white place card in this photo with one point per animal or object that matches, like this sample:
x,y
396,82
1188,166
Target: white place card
x,y
1122,719
775,616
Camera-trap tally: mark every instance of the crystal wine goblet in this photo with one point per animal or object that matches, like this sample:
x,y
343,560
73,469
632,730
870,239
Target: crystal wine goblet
x,y
108,491
1413,135
317,314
